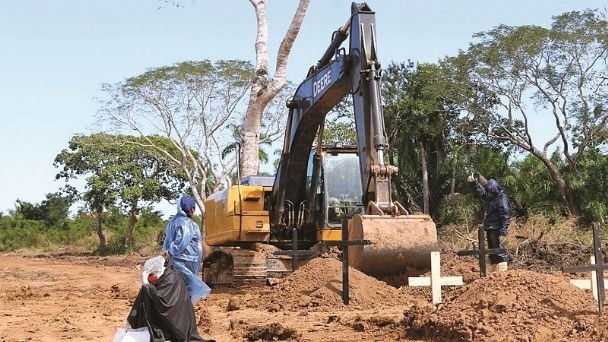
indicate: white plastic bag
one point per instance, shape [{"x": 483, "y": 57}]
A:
[
  {"x": 132, "y": 335},
  {"x": 154, "y": 265}
]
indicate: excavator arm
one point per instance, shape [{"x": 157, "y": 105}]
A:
[
  {"x": 339, "y": 73},
  {"x": 398, "y": 238}
]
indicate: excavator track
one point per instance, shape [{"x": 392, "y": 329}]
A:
[
  {"x": 228, "y": 266},
  {"x": 231, "y": 266}
]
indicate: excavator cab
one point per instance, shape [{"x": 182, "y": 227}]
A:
[{"x": 339, "y": 193}]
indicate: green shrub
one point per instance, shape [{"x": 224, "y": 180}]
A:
[{"x": 460, "y": 209}]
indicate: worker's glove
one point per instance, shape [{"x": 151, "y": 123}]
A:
[
  {"x": 471, "y": 179},
  {"x": 144, "y": 278}
]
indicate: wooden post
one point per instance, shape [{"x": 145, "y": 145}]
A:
[
  {"x": 345, "y": 275},
  {"x": 482, "y": 251},
  {"x": 589, "y": 284},
  {"x": 596, "y": 267},
  {"x": 599, "y": 261},
  {"x": 344, "y": 243}
]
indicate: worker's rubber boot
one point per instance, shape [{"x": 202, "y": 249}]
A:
[{"x": 501, "y": 266}]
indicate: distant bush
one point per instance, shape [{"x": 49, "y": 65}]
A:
[{"x": 19, "y": 233}]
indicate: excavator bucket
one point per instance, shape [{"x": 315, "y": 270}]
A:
[{"x": 399, "y": 244}]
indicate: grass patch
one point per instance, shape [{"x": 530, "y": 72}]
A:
[{"x": 552, "y": 230}]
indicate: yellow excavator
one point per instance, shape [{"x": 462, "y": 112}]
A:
[{"x": 252, "y": 226}]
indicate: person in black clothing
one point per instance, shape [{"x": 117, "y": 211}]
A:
[
  {"x": 497, "y": 217},
  {"x": 163, "y": 305}
]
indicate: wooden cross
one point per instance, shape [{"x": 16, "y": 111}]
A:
[
  {"x": 435, "y": 281},
  {"x": 597, "y": 266},
  {"x": 588, "y": 284},
  {"x": 344, "y": 244},
  {"x": 482, "y": 251}
]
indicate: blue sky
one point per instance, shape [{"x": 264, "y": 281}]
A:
[{"x": 54, "y": 56}]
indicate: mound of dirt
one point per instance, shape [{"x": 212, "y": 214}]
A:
[
  {"x": 21, "y": 292},
  {"x": 451, "y": 265},
  {"x": 243, "y": 330},
  {"x": 270, "y": 332},
  {"x": 318, "y": 284},
  {"x": 508, "y": 306},
  {"x": 454, "y": 265}
]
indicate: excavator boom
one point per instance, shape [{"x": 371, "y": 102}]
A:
[{"x": 399, "y": 240}]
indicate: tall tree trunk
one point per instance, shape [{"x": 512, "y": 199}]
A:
[
  {"x": 200, "y": 196},
  {"x": 263, "y": 88},
  {"x": 453, "y": 176},
  {"x": 563, "y": 187},
  {"x": 130, "y": 226},
  {"x": 99, "y": 229},
  {"x": 250, "y": 143},
  {"x": 425, "y": 178}
]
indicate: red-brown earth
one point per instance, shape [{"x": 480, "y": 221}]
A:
[{"x": 86, "y": 298}]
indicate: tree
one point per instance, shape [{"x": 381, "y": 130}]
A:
[
  {"x": 28, "y": 211},
  {"x": 196, "y": 105},
  {"x": 339, "y": 132},
  {"x": 144, "y": 176},
  {"x": 119, "y": 170},
  {"x": 418, "y": 118},
  {"x": 193, "y": 104},
  {"x": 264, "y": 88},
  {"x": 591, "y": 185},
  {"x": 531, "y": 189},
  {"x": 271, "y": 129},
  {"x": 339, "y": 125},
  {"x": 561, "y": 72}
]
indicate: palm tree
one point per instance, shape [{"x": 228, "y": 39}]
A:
[{"x": 237, "y": 133}]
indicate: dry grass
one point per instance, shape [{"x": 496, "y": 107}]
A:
[
  {"x": 536, "y": 228},
  {"x": 539, "y": 227}
]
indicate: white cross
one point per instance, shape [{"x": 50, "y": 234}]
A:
[
  {"x": 588, "y": 284},
  {"x": 435, "y": 281}
]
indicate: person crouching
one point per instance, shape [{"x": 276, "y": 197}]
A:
[{"x": 163, "y": 304}]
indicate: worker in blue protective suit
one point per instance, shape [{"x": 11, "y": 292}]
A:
[
  {"x": 184, "y": 244},
  {"x": 497, "y": 217}
]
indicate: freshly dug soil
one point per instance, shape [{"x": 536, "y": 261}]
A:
[
  {"x": 510, "y": 306},
  {"x": 86, "y": 298},
  {"x": 318, "y": 285}
]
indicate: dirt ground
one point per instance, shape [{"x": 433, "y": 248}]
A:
[{"x": 86, "y": 298}]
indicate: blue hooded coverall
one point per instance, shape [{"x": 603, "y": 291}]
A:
[
  {"x": 183, "y": 242},
  {"x": 497, "y": 216}
]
